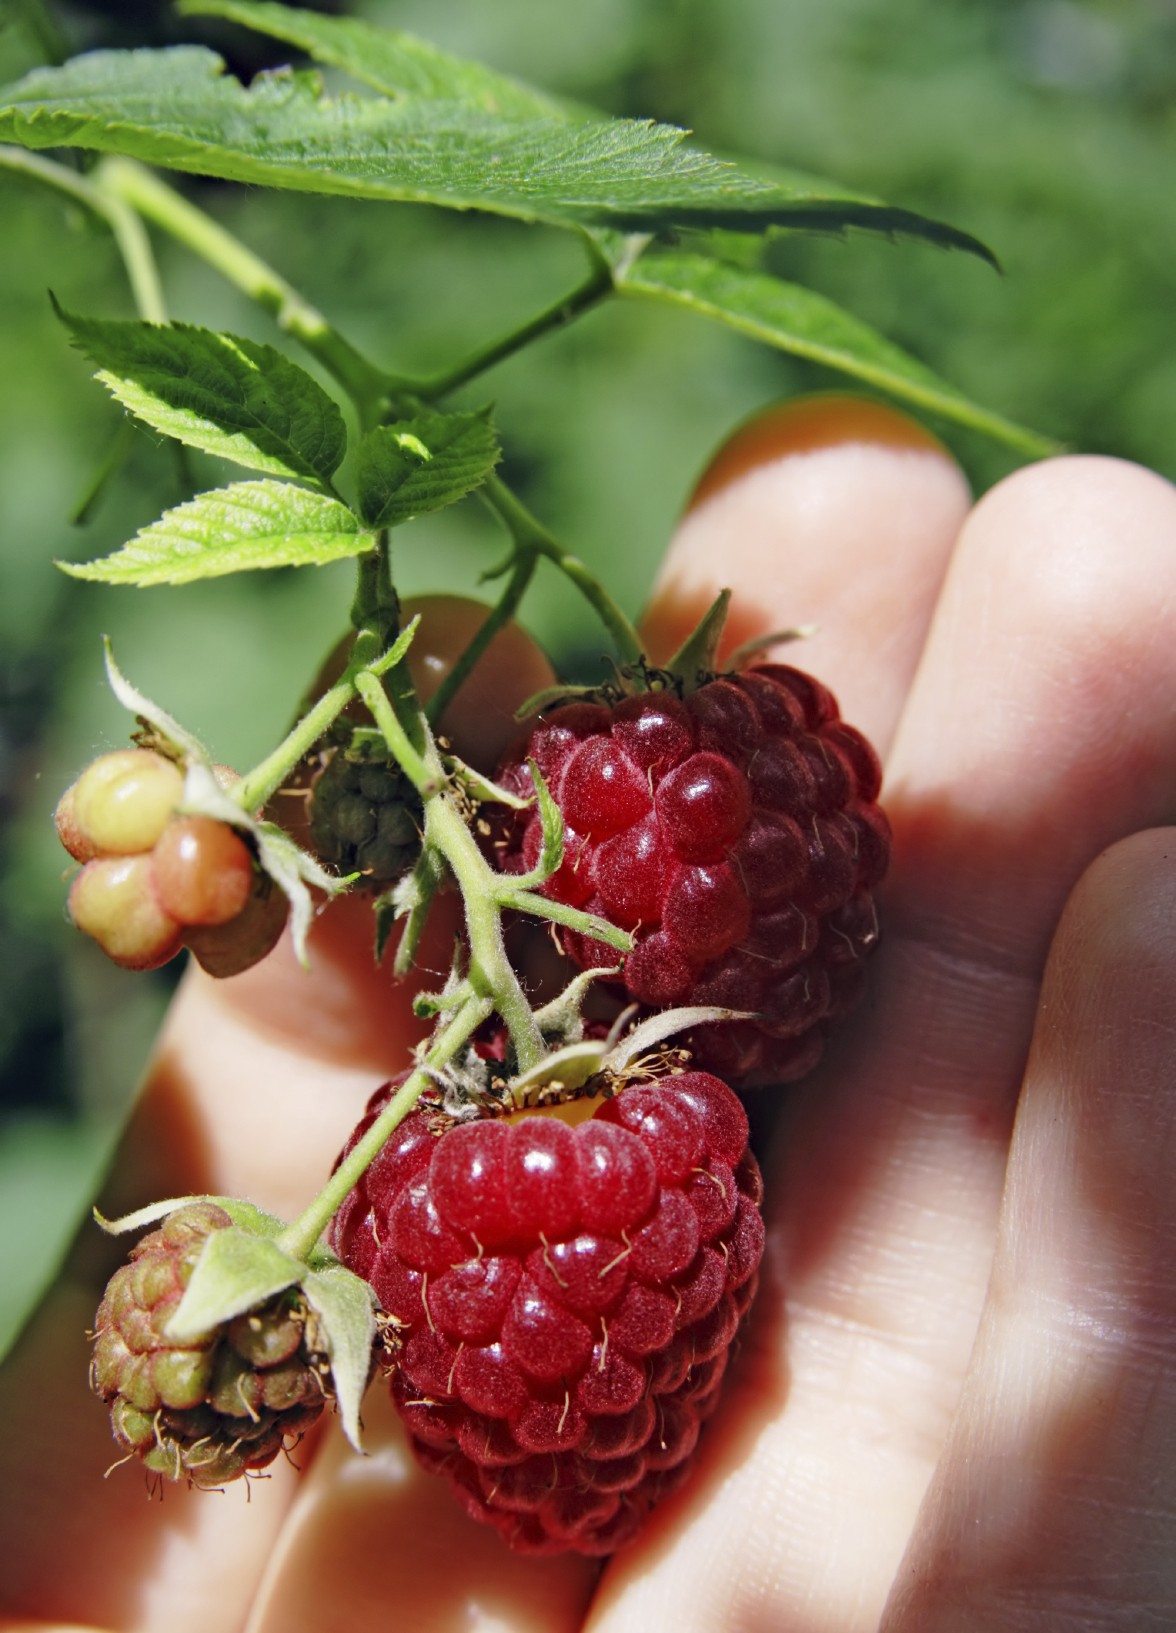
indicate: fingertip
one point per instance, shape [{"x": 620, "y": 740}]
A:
[
  {"x": 832, "y": 511},
  {"x": 808, "y": 425}
]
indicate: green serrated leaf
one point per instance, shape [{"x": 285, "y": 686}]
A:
[
  {"x": 177, "y": 107},
  {"x": 344, "y": 1306},
  {"x": 233, "y": 530},
  {"x": 236, "y": 1272},
  {"x": 235, "y": 398},
  {"x": 392, "y": 62},
  {"x": 800, "y": 321},
  {"x": 423, "y": 464}
]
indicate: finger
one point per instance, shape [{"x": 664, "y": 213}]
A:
[
  {"x": 388, "y": 1541},
  {"x": 789, "y": 518},
  {"x": 830, "y": 511},
  {"x": 1055, "y": 1500},
  {"x": 255, "y": 1084},
  {"x": 1038, "y": 729}
]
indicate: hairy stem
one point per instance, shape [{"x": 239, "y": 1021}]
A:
[
  {"x": 491, "y": 975},
  {"x": 299, "y": 1238},
  {"x": 143, "y": 190},
  {"x": 376, "y": 604},
  {"x": 259, "y": 785},
  {"x": 586, "y": 295},
  {"x": 129, "y": 234},
  {"x": 573, "y": 918}
]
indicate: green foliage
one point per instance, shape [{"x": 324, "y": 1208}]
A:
[
  {"x": 390, "y": 61},
  {"x": 178, "y": 108},
  {"x": 233, "y": 530},
  {"x": 235, "y": 398},
  {"x": 423, "y": 464},
  {"x": 802, "y": 322}
]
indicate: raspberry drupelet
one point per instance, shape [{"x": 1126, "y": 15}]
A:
[
  {"x": 566, "y": 1298},
  {"x": 736, "y": 833}
]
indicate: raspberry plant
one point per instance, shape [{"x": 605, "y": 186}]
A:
[{"x": 547, "y": 1230}]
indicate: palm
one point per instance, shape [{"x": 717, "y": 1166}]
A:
[{"x": 869, "y": 1436}]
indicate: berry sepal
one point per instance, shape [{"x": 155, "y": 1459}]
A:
[
  {"x": 612, "y": 1058},
  {"x": 235, "y": 1273}
]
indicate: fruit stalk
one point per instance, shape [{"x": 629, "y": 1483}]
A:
[
  {"x": 134, "y": 185},
  {"x": 300, "y": 1237}
]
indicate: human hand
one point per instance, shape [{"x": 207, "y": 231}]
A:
[{"x": 955, "y": 1395}]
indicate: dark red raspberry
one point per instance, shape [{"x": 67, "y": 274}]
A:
[
  {"x": 736, "y": 833},
  {"x": 567, "y": 1299}
]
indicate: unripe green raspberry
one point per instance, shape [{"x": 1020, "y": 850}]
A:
[
  {"x": 365, "y": 817},
  {"x": 113, "y": 899},
  {"x": 121, "y": 803},
  {"x": 215, "y": 1406}
]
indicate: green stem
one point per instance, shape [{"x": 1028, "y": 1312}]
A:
[
  {"x": 501, "y": 613},
  {"x": 424, "y": 771},
  {"x": 529, "y": 533},
  {"x": 129, "y": 233},
  {"x": 299, "y": 1238},
  {"x": 142, "y": 189},
  {"x": 581, "y": 299},
  {"x": 491, "y": 974},
  {"x": 259, "y": 786},
  {"x": 585, "y": 924},
  {"x": 120, "y": 447},
  {"x": 376, "y": 604}
]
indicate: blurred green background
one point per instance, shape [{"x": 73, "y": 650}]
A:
[{"x": 1048, "y": 128}]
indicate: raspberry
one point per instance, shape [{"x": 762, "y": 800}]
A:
[
  {"x": 203, "y": 871},
  {"x": 220, "y": 1405},
  {"x": 120, "y": 804},
  {"x": 114, "y": 900},
  {"x": 736, "y": 833},
  {"x": 365, "y": 817},
  {"x": 566, "y": 1299},
  {"x": 227, "y": 949}
]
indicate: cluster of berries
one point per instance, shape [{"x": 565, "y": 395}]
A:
[
  {"x": 562, "y": 1277},
  {"x": 154, "y": 881}
]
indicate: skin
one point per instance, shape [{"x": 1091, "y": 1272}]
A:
[{"x": 953, "y": 1408}]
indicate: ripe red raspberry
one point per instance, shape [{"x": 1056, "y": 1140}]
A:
[
  {"x": 566, "y": 1296},
  {"x": 736, "y": 833},
  {"x": 222, "y": 1404}
]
